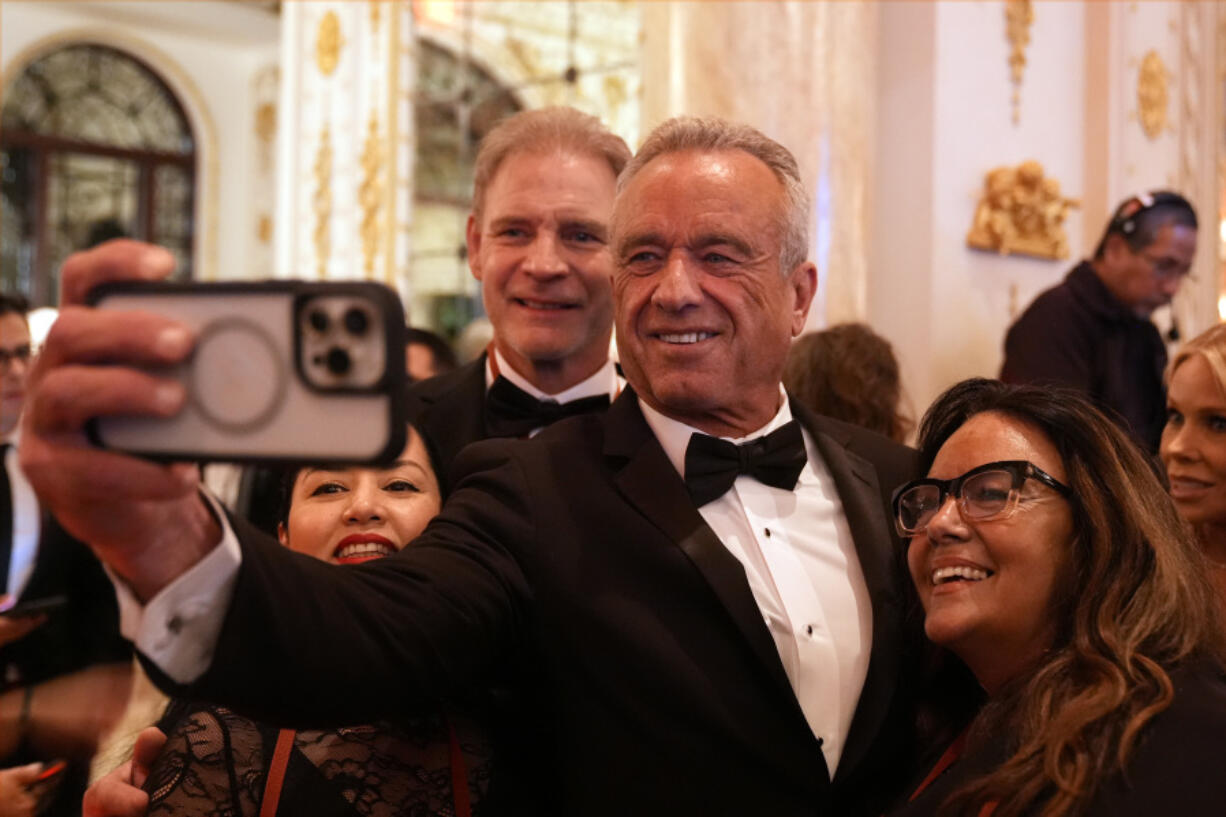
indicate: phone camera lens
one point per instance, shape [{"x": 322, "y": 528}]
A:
[
  {"x": 356, "y": 321},
  {"x": 338, "y": 361},
  {"x": 319, "y": 320}
]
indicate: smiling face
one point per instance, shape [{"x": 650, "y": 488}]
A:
[
  {"x": 989, "y": 587},
  {"x": 540, "y": 251},
  {"x": 352, "y": 515},
  {"x": 705, "y": 316},
  {"x": 1194, "y": 443}
]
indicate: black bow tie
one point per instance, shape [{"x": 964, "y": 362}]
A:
[
  {"x": 512, "y": 412},
  {"x": 712, "y": 464}
]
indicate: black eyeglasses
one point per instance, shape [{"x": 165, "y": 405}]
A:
[
  {"x": 7, "y": 356},
  {"x": 987, "y": 492},
  {"x": 1167, "y": 268}
]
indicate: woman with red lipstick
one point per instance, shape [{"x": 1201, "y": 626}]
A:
[
  {"x": 1051, "y": 565},
  {"x": 1193, "y": 445},
  {"x": 218, "y": 762}
]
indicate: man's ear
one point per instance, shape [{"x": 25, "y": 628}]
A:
[
  {"x": 804, "y": 286},
  {"x": 282, "y": 534},
  {"x": 1116, "y": 248},
  {"x": 472, "y": 239}
]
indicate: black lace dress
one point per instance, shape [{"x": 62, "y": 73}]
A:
[{"x": 217, "y": 764}]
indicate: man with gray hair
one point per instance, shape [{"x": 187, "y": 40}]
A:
[{"x": 697, "y": 589}]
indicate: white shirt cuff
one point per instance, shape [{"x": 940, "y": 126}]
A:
[{"x": 179, "y": 627}]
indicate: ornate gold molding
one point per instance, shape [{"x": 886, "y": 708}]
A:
[
  {"x": 394, "y": 249},
  {"x": 323, "y": 202},
  {"x": 1021, "y": 212},
  {"x": 370, "y": 195},
  {"x": 266, "y": 122},
  {"x": 1153, "y": 94},
  {"x": 328, "y": 43},
  {"x": 1019, "y": 14}
]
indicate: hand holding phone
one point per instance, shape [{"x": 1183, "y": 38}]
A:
[
  {"x": 43, "y": 788},
  {"x": 143, "y": 518},
  {"x": 17, "y": 620},
  {"x": 19, "y": 796}
]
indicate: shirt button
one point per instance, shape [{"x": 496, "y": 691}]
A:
[
  {"x": 175, "y": 625},
  {"x": 768, "y": 533},
  {"x": 809, "y": 629}
]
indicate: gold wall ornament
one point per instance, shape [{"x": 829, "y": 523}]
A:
[
  {"x": 266, "y": 122},
  {"x": 1021, "y": 212},
  {"x": 615, "y": 93},
  {"x": 263, "y": 228},
  {"x": 1153, "y": 94},
  {"x": 328, "y": 43},
  {"x": 1019, "y": 14},
  {"x": 370, "y": 195},
  {"x": 323, "y": 202}
]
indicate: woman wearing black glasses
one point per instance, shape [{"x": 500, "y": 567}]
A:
[{"x": 1050, "y": 563}]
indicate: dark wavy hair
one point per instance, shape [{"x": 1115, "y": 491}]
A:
[
  {"x": 849, "y": 372},
  {"x": 1135, "y": 603}
]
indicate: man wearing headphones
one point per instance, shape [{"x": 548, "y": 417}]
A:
[{"x": 1093, "y": 331}]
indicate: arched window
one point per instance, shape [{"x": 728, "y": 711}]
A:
[{"x": 93, "y": 145}]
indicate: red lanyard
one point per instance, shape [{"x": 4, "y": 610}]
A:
[{"x": 952, "y": 753}]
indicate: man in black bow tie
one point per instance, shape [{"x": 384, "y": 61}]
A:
[
  {"x": 538, "y": 241},
  {"x": 697, "y": 590}
]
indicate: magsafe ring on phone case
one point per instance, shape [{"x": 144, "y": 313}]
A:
[{"x": 238, "y": 380}]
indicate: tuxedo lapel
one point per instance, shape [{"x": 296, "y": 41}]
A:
[
  {"x": 649, "y": 482},
  {"x": 861, "y": 497},
  {"x": 449, "y": 412}
]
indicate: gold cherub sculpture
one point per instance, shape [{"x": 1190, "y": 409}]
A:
[{"x": 1021, "y": 212}]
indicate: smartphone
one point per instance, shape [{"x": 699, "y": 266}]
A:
[
  {"x": 283, "y": 372},
  {"x": 34, "y": 607}
]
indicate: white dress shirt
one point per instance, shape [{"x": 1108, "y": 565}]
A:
[
  {"x": 26, "y": 522},
  {"x": 802, "y": 567}
]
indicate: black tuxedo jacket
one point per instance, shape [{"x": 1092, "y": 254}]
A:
[
  {"x": 654, "y": 684},
  {"x": 449, "y": 411}
]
